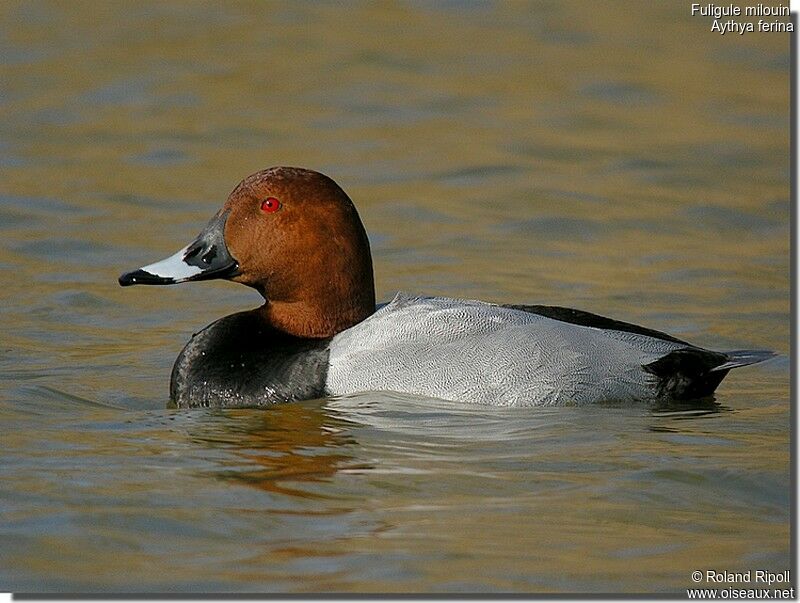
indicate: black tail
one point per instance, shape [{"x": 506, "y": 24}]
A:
[
  {"x": 695, "y": 373},
  {"x": 739, "y": 358}
]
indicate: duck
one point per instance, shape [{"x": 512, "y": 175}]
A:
[{"x": 295, "y": 236}]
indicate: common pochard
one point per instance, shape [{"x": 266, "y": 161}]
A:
[{"x": 295, "y": 236}]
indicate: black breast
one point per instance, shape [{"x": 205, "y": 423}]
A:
[{"x": 240, "y": 361}]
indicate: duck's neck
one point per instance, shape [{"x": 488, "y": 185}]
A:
[{"x": 315, "y": 319}]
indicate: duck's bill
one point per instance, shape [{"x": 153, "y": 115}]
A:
[{"x": 207, "y": 257}]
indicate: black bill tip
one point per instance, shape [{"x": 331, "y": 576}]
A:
[
  {"x": 141, "y": 277},
  {"x": 207, "y": 257}
]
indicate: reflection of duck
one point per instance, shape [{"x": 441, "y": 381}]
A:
[
  {"x": 294, "y": 443},
  {"x": 668, "y": 413},
  {"x": 296, "y": 237}
]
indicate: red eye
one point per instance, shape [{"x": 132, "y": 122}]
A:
[{"x": 270, "y": 204}]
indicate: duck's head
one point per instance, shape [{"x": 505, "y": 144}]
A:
[{"x": 295, "y": 236}]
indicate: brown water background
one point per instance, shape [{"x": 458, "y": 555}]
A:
[{"x": 616, "y": 157}]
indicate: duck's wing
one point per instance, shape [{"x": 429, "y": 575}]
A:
[
  {"x": 479, "y": 352},
  {"x": 685, "y": 373},
  {"x": 587, "y": 319}
]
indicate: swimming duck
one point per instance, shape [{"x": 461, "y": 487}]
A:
[{"x": 296, "y": 237}]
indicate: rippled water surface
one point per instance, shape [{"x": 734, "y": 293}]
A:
[{"x": 623, "y": 160}]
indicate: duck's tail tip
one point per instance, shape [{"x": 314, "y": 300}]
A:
[{"x": 739, "y": 358}]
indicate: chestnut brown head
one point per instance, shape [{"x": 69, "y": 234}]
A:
[{"x": 295, "y": 236}]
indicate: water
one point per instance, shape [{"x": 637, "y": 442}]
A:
[{"x": 625, "y": 161}]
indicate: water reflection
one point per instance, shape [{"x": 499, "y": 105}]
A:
[
  {"x": 669, "y": 412},
  {"x": 281, "y": 449}
]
